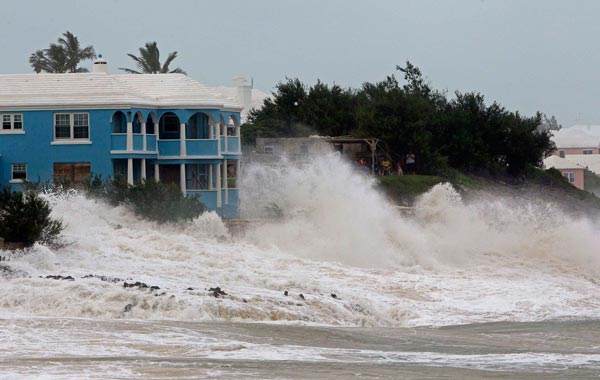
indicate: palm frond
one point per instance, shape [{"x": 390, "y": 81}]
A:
[
  {"x": 170, "y": 58},
  {"x": 38, "y": 61},
  {"x": 129, "y": 71},
  {"x": 178, "y": 70}
]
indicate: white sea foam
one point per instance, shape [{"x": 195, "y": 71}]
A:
[
  {"x": 448, "y": 263},
  {"x": 60, "y": 346}
]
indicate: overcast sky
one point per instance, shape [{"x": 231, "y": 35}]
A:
[{"x": 528, "y": 55}]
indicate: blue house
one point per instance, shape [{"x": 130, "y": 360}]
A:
[{"x": 168, "y": 127}]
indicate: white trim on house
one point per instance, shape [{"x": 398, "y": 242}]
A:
[
  {"x": 190, "y": 157},
  {"x": 71, "y": 142},
  {"x": 133, "y": 152}
]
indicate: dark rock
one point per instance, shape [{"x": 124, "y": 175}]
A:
[
  {"x": 333, "y": 295},
  {"x": 59, "y": 277},
  {"x": 216, "y": 292},
  {"x": 244, "y": 300},
  {"x": 285, "y": 293},
  {"x": 190, "y": 288},
  {"x": 139, "y": 285},
  {"x": 302, "y": 296},
  {"x": 113, "y": 280},
  {"x": 127, "y": 308}
]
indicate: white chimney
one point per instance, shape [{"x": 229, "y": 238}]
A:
[
  {"x": 100, "y": 65},
  {"x": 244, "y": 92}
]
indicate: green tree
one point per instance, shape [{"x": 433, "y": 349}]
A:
[
  {"x": 462, "y": 132},
  {"x": 25, "y": 218},
  {"x": 550, "y": 123},
  {"x": 148, "y": 62},
  {"x": 280, "y": 115},
  {"x": 62, "y": 57},
  {"x": 329, "y": 110}
]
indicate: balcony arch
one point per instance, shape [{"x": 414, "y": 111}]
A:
[
  {"x": 118, "y": 122},
  {"x": 198, "y": 127},
  {"x": 151, "y": 123},
  {"x": 169, "y": 127},
  {"x": 137, "y": 121}
]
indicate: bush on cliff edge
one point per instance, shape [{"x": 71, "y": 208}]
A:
[{"x": 25, "y": 218}]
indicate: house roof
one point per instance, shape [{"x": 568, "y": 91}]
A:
[
  {"x": 557, "y": 162},
  {"x": 578, "y": 136},
  {"x": 257, "y": 97},
  {"x": 588, "y": 161},
  {"x": 94, "y": 90}
]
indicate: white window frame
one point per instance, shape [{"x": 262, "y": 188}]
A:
[
  {"x": 588, "y": 151},
  {"x": 269, "y": 149},
  {"x": 71, "y": 139},
  {"x": 12, "y": 173},
  {"x": 570, "y": 176},
  {"x": 561, "y": 153},
  {"x": 12, "y": 130}
]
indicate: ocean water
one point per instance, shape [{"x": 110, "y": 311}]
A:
[{"x": 491, "y": 288}]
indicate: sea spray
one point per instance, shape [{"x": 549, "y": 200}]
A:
[
  {"x": 450, "y": 262},
  {"x": 330, "y": 211}
]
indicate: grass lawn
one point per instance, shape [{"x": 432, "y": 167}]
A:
[{"x": 405, "y": 188}]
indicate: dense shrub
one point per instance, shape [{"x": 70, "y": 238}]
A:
[
  {"x": 25, "y": 218},
  {"x": 113, "y": 190},
  {"x": 163, "y": 202},
  {"x": 158, "y": 201}
]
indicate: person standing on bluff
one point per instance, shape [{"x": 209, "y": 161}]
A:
[
  {"x": 362, "y": 163},
  {"x": 387, "y": 166},
  {"x": 410, "y": 163},
  {"x": 399, "y": 168}
]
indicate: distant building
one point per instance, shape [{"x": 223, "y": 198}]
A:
[
  {"x": 66, "y": 127},
  {"x": 298, "y": 149},
  {"x": 244, "y": 94},
  {"x": 578, "y": 139},
  {"x": 578, "y": 148},
  {"x": 573, "y": 172}
]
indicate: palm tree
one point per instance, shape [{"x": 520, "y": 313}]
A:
[
  {"x": 62, "y": 57},
  {"x": 74, "y": 53},
  {"x": 149, "y": 61}
]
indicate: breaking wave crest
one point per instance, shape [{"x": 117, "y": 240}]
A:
[
  {"x": 329, "y": 212},
  {"x": 355, "y": 258}
]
